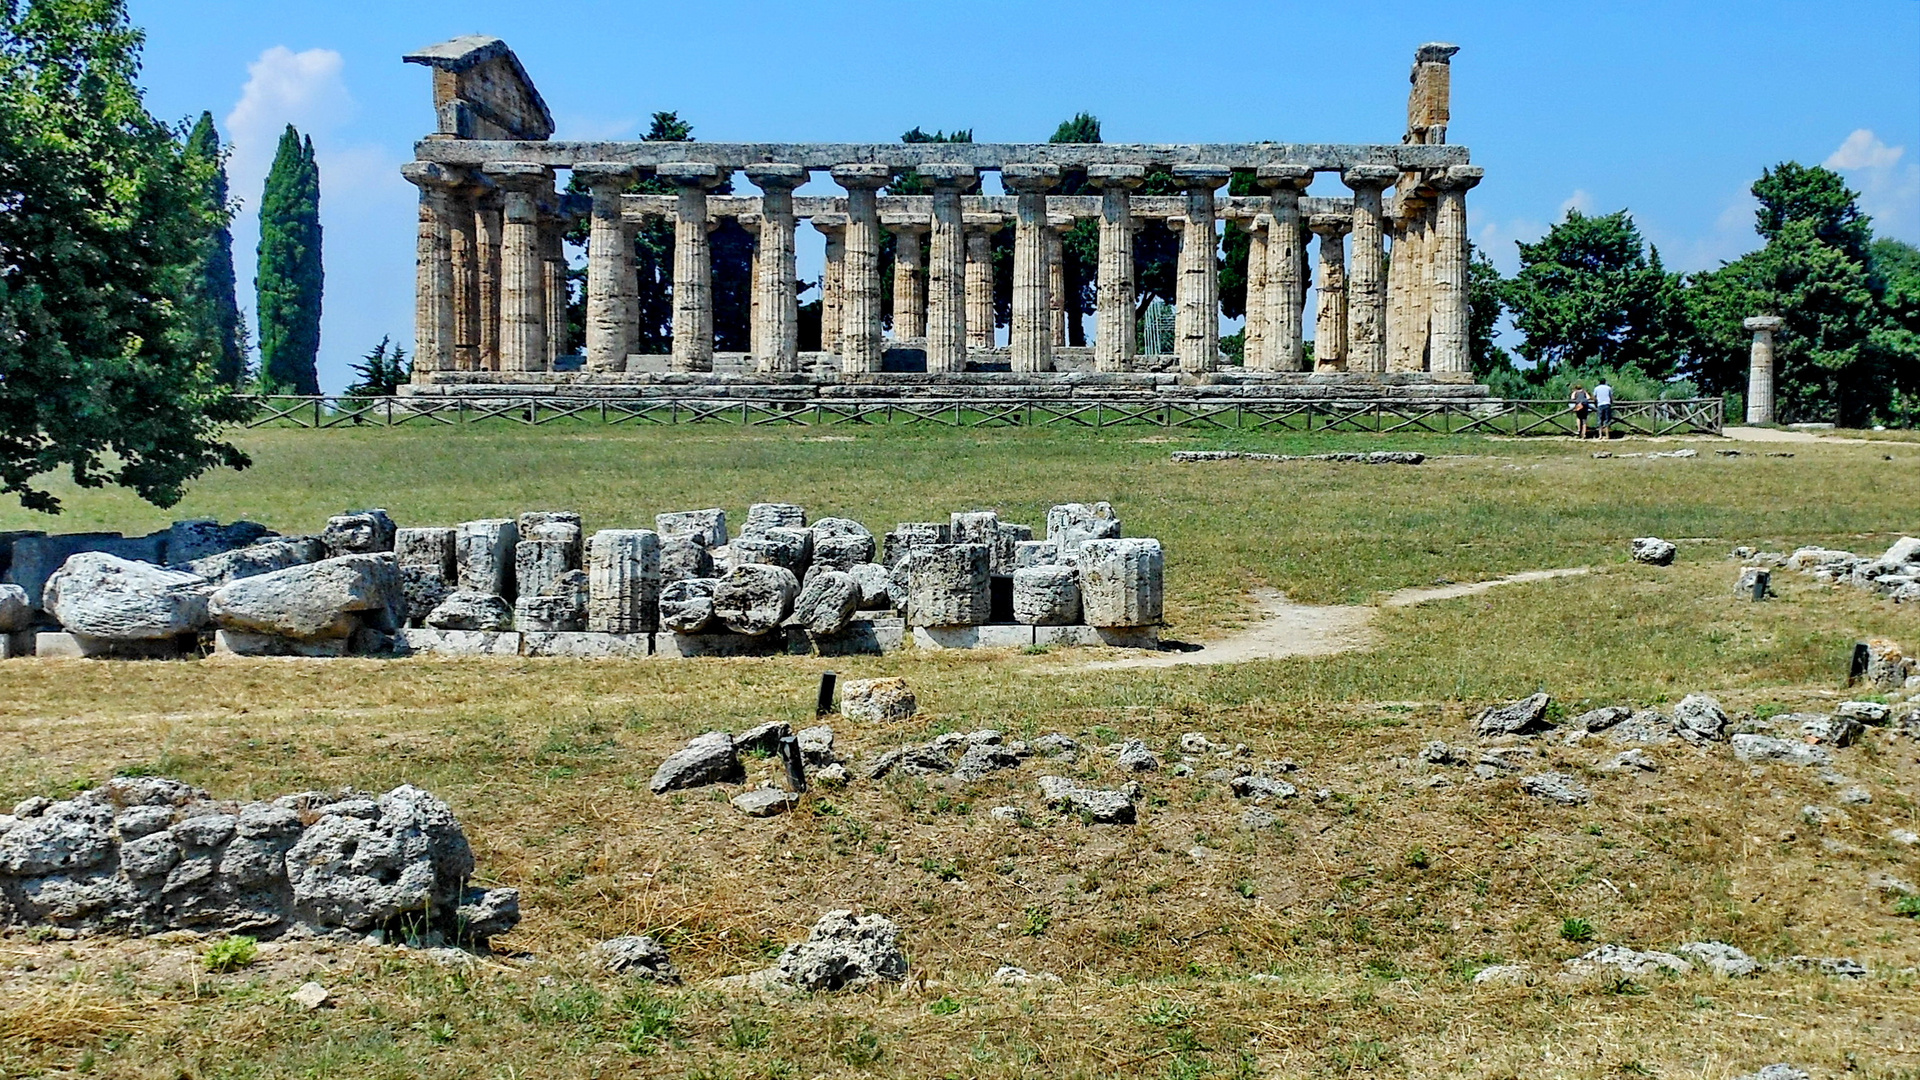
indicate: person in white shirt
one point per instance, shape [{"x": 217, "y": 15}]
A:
[{"x": 1603, "y": 404}]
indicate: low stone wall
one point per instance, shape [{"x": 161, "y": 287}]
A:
[{"x": 538, "y": 585}]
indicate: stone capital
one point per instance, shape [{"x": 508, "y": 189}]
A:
[
  {"x": 1202, "y": 177},
  {"x": 429, "y": 174},
  {"x": 599, "y": 174},
  {"x": 688, "y": 174},
  {"x": 1061, "y": 222},
  {"x": 1435, "y": 52},
  {"x": 777, "y": 176},
  {"x": 1764, "y": 323},
  {"x": 947, "y": 174},
  {"x": 1028, "y": 178},
  {"x": 1457, "y": 177},
  {"x": 519, "y": 175},
  {"x": 985, "y": 222},
  {"x": 829, "y": 223},
  {"x": 905, "y": 225},
  {"x": 1330, "y": 224},
  {"x": 862, "y": 177},
  {"x": 1284, "y": 177},
  {"x": 1370, "y": 177},
  {"x": 1116, "y": 176}
]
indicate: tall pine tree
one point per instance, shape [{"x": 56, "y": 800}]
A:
[
  {"x": 290, "y": 278},
  {"x": 221, "y": 338}
]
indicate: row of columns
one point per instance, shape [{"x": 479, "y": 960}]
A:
[{"x": 482, "y": 268}]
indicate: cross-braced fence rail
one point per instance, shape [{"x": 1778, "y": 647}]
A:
[{"x": 1686, "y": 416}]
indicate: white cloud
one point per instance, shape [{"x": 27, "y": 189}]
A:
[
  {"x": 1889, "y": 190},
  {"x": 1581, "y": 200},
  {"x": 283, "y": 87}
]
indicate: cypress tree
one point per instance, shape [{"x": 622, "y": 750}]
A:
[
  {"x": 290, "y": 278},
  {"x": 222, "y": 340}
]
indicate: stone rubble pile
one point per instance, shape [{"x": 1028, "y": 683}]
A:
[
  {"x": 1373, "y": 457},
  {"x": 145, "y": 854},
  {"x": 1894, "y": 573},
  {"x": 539, "y": 585}
]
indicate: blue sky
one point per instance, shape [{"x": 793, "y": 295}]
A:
[{"x": 1667, "y": 109}]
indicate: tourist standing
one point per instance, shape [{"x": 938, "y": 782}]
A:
[
  {"x": 1582, "y": 404},
  {"x": 1603, "y": 403}
]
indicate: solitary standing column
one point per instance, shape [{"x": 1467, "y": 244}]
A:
[
  {"x": 1448, "y": 299},
  {"x": 488, "y": 226},
  {"x": 775, "y": 283},
  {"x": 860, "y": 344},
  {"x": 607, "y": 311},
  {"x": 980, "y": 313},
  {"x": 948, "y": 316},
  {"x": 1367, "y": 280},
  {"x": 1057, "y": 225},
  {"x": 1760, "y": 371},
  {"x": 1256, "y": 352},
  {"x": 1330, "y": 325},
  {"x": 909, "y": 297},
  {"x": 1032, "y": 316},
  {"x": 1283, "y": 345},
  {"x": 1197, "y": 284},
  {"x": 832, "y": 278},
  {"x": 1113, "y": 331},
  {"x": 433, "y": 296},
  {"x": 523, "y": 286},
  {"x": 692, "y": 265}
]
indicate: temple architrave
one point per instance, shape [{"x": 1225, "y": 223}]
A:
[{"x": 1389, "y": 259}]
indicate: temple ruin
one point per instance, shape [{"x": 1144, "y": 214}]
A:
[{"x": 1390, "y": 265}]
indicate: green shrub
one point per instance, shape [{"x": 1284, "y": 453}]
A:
[{"x": 232, "y": 953}]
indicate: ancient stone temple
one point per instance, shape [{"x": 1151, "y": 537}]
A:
[{"x": 1389, "y": 257}]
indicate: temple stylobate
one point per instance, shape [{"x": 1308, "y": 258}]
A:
[{"x": 1387, "y": 259}]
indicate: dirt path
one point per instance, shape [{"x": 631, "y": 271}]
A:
[
  {"x": 1289, "y": 629},
  {"x": 1779, "y": 435}
]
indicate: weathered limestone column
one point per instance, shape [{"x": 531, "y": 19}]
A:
[
  {"x": 553, "y": 227},
  {"x": 1448, "y": 300},
  {"x": 1428, "y": 103},
  {"x": 692, "y": 265},
  {"x": 860, "y": 341},
  {"x": 463, "y": 250},
  {"x": 1032, "y": 338},
  {"x": 1330, "y": 324},
  {"x": 1283, "y": 348},
  {"x": 1760, "y": 368},
  {"x": 1367, "y": 278},
  {"x": 1113, "y": 330},
  {"x": 1400, "y": 280},
  {"x": 1057, "y": 225},
  {"x": 607, "y": 311},
  {"x": 909, "y": 281},
  {"x": 1255, "y": 352},
  {"x": 777, "y": 344},
  {"x": 433, "y": 289},
  {"x": 523, "y": 285},
  {"x": 832, "y": 278},
  {"x": 488, "y": 226},
  {"x": 1197, "y": 284},
  {"x": 980, "y": 313},
  {"x": 947, "y": 314}
]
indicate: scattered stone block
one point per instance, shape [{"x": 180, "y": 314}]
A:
[
  {"x": 911, "y": 536},
  {"x": 310, "y": 996},
  {"x": 1629, "y": 962},
  {"x": 1070, "y": 525},
  {"x": 983, "y": 758},
  {"x": 202, "y": 538},
  {"x": 471, "y": 611},
  {"x": 1105, "y": 807},
  {"x": 330, "y": 598},
  {"x": 841, "y": 952},
  {"x": 1135, "y": 757},
  {"x": 1261, "y": 788},
  {"x": 431, "y": 550},
  {"x": 484, "y": 556},
  {"x": 684, "y": 558},
  {"x": 709, "y": 525},
  {"x": 1767, "y": 749},
  {"x": 240, "y": 643},
  {"x": 589, "y": 645},
  {"x": 1046, "y": 596},
  {"x": 538, "y": 566},
  {"x": 358, "y": 532},
  {"x": 949, "y": 585},
  {"x": 826, "y": 603},
  {"x": 876, "y": 586},
  {"x": 790, "y": 549},
  {"x": 103, "y": 596},
  {"x": 1835, "y": 730},
  {"x": 754, "y": 599},
  {"x": 765, "y": 802},
  {"x": 1653, "y": 551},
  {"x": 1601, "y": 719},
  {"x": 1031, "y": 553},
  {"x": 1523, "y": 717},
  {"x": 1870, "y": 713},
  {"x": 56, "y": 645},
  {"x": 623, "y": 579},
  {"x": 1753, "y": 580},
  {"x": 1503, "y": 975},
  {"x": 841, "y": 544},
  {"x": 764, "y": 516},
  {"x": 1556, "y": 787},
  {"x": 1720, "y": 958},
  {"x": 1777, "y": 1071},
  {"x": 561, "y": 609},
  {"x": 1121, "y": 582},
  {"x": 460, "y": 642},
  {"x": 261, "y": 558},
  {"x": 1699, "y": 717},
  {"x": 638, "y": 955},
  {"x": 877, "y": 701},
  {"x": 686, "y": 606},
  {"x": 16, "y": 611},
  {"x": 1628, "y": 760},
  {"x": 706, "y": 759},
  {"x": 36, "y": 556}
]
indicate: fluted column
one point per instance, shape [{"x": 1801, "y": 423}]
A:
[
  {"x": 834, "y": 228},
  {"x": 947, "y": 314},
  {"x": 1399, "y": 226},
  {"x": 1760, "y": 368},
  {"x": 980, "y": 313},
  {"x": 1032, "y": 337},
  {"x": 692, "y": 264},
  {"x": 607, "y": 313},
  {"x": 860, "y": 341},
  {"x": 1196, "y": 315},
  {"x": 1113, "y": 330},
  {"x": 1367, "y": 276},
  {"x": 909, "y": 280},
  {"x": 463, "y": 252},
  {"x": 778, "y": 342},
  {"x": 1057, "y": 225},
  {"x": 1330, "y": 325},
  {"x": 1451, "y": 349},
  {"x": 433, "y": 292},
  {"x": 1254, "y": 352},
  {"x": 553, "y": 273},
  {"x": 523, "y": 285},
  {"x": 489, "y": 227},
  {"x": 1286, "y": 267},
  {"x": 630, "y": 286}
]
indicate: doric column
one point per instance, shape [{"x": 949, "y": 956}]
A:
[
  {"x": 756, "y": 341},
  {"x": 692, "y": 265},
  {"x": 1330, "y": 325},
  {"x": 1448, "y": 298},
  {"x": 1113, "y": 330},
  {"x": 1057, "y": 226},
  {"x": 488, "y": 227},
  {"x": 834, "y": 228},
  {"x": 860, "y": 342},
  {"x": 947, "y": 316},
  {"x": 980, "y": 313},
  {"x": 1032, "y": 337},
  {"x": 1399, "y": 226},
  {"x": 1255, "y": 353},
  {"x": 630, "y": 284},
  {"x": 1367, "y": 279},
  {"x": 909, "y": 280},
  {"x": 523, "y": 284},
  {"x": 1760, "y": 368},
  {"x": 775, "y": 280},
  {"x": 1196, "y": 315},
  {"x": 607, "y": 259},
  {"x": 1286, "y": 267},
  {"x": 553, "y": 253},
  {"x": 463, "y": 251},
  {"x": 433, "y": 290}
]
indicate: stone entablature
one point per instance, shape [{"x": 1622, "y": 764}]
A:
[{"x": 492, "y": 273}]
